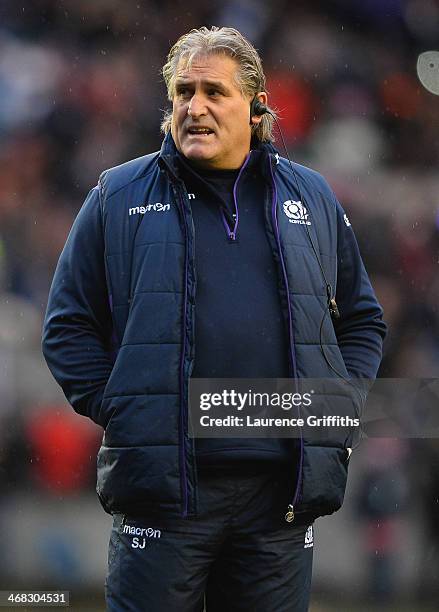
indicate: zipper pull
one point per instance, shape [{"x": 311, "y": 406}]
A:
[{"x": 289, "y": 516}]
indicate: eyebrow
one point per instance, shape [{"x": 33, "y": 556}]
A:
[{"x": 216, "y": 84}]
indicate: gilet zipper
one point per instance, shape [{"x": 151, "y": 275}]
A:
[
  {"x": 289, "y": 515},
  {"x": 183, "y": 408},
  {"x": 232, "y": 233}
]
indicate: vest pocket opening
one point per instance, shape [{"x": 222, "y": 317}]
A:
[{"x": 325, "y": 471}]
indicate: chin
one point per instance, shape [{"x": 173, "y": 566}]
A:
[{"x": 197, "y": 155}]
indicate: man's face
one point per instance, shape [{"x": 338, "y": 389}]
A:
[{"x": 210, "y": 120}]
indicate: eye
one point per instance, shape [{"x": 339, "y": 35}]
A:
[
  {"x": 214, "y": 93},
  {"x": 183, "y": 92}
]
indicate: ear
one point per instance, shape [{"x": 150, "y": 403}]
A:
[{"x": 260, "y": 97}]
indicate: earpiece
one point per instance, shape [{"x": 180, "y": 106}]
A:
[{"x": 257, "y": 108}]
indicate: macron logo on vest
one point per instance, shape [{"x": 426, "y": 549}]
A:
[{"x": 144, "y": 208}]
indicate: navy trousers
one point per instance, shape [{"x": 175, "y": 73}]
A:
[{"x": 238, "y": 555}]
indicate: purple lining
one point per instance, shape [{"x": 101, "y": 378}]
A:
[
  {"x": 114, "y": 340},
  {"x": 290, "y": 322},
  {"x": 290, "y": 325},
  {"x": 182, "y": 445}
]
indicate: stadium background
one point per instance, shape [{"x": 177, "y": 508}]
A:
[{"x": 80, "y": 91}]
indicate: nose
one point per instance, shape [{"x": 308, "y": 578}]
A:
[{"x": 196, "y": 107}]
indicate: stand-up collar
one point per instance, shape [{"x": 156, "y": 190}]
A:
[{"x": 169, "y": 153}]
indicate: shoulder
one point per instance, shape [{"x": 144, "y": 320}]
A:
[
  {"x": 308, "y": 178},
  {"x": 114, "y": 179}
]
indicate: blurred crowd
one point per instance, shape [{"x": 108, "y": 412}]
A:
[{"x": 81, "y": 91}]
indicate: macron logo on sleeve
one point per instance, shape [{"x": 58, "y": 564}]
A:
[
  {"x": 346, "y": 220},
  {"x": 146, "y": 208}
]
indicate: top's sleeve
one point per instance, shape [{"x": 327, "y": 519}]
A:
[
  {"x": 360, "y": 330},
  {"x": 77, "y": 325}
]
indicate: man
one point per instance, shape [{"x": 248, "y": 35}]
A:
[{"x": 184, "y": 263}]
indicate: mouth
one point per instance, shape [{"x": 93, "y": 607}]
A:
[{"x": 199, "y": 131}]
